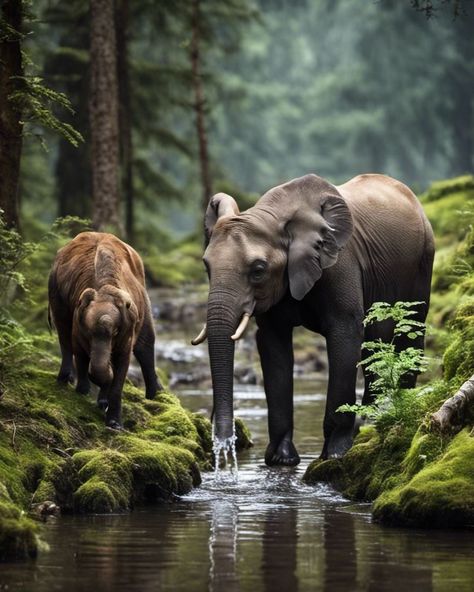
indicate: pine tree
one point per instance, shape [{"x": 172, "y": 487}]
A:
[
  {"x": 199, "y": 102},
  {"x": 103, "y": 117},
  {"x": 11, "y": 127}
]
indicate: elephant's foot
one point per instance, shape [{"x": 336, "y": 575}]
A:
[
  {"x": 284, "y": 454},
  {"x": 338, "y": 443}
]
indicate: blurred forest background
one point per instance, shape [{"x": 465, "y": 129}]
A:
[{"x": 236, "y": 96}]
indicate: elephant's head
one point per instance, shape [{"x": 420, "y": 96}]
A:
[
  {"x": 253, "y": 258},
  {"x": 104, "y": 322}
]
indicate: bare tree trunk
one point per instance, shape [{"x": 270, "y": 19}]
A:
[
  {"x": 454, "y": 412},
  {"x": 199, "y": 103},
  {"x": 125, "y": 125},
  {"x": 11, "y": 127},
  {"x": 103, "y": 117}
]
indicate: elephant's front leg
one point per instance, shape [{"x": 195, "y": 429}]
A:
[
  {"x": 344, "y": 345},
  {"x": 113, "y": 415},
  {"x": 275, "y": 346}
]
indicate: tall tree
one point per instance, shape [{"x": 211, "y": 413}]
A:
[
  {"x": 199, "y": 101},
  {"x": 103, "y": 117},
  {"x": 125, "y": 113},
  {"x": 11, "y": 127}
]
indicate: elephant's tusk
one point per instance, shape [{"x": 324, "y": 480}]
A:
[
  {"x": 201, "y": 337},
  {"x": 241, "y": 328}
]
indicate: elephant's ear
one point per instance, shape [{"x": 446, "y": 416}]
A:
[
  {"x": 315, "y": 241},
  {"x": 219, "y": 205}
]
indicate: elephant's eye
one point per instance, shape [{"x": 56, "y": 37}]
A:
[{"x": 257, "y": 270}]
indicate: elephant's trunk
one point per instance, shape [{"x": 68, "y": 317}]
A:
[
  {"x": 223, "y": 316},
  {"x": 100, "y": 368}
]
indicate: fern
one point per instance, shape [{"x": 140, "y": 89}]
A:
[{"x": 385, "y": 363}]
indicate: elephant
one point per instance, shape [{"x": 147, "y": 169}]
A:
[
  {"x": 101, "y": 310},
  {"x": 318, "y": 255}
]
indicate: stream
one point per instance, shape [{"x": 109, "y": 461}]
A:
[{"x": 266, "y": 532}]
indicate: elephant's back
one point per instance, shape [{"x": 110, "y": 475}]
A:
[{"x": 392, "y": 238}]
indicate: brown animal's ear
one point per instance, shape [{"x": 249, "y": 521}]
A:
[
  {"x": 219, "y": 205},
  {"x": 86, "y": 297},
  {"x": 132, "y": 310},
  {"x": 315, "y": 241}
]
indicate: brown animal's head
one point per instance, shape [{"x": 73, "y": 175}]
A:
[
  {"x": 285, "y": 241},
  {"x": 104, "y": 322}
]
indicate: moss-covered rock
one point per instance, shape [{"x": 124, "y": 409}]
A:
[
  {"x": 441, "y": 494},
  {"x": 458, "y": 359},
  {"x": 244, "y": 437},
  {"x": 18, "y": 533},
  {"x": 54, "y": 447}
]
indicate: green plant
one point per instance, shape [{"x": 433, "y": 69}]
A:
[{"x": 386, "y": 363}]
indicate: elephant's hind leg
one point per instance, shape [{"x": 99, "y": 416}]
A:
[{"x": 344, "y": 345}]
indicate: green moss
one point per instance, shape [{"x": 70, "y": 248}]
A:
[
  {"x": 204, "y": 431},
  {"x": 106, "y": 481},
  {"x": 424, "y": 448},
  {"x": 18, "y": 534},
  {"x": 444, "y": 204},
  {"x": 439, "y": 189},
  {"x": 458, "y": 360},
  {"x": 244, "y": 437},
  {"x": 326, "y": 471},
  {"x": 439, "y": 495},
  {"x": 55, "y": 447},
  {"x": 159, "y": 468},
  {"x": 174, "y": 421}
]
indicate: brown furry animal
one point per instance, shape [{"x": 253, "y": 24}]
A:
[{"x": 99, "y": 305}]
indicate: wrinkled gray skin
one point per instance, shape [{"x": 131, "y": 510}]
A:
[{"x": 312, "y": 254}]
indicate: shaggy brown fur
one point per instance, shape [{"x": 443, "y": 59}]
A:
[{"x": 99, "y": 305}]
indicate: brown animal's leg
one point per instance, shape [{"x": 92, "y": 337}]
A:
[
  {"x": 66, "y": 371},
  {"x": 113, "y": 415},
  {"x": 103, "y": 398},
  {"x": 82, "y": 366},
  {"x": 144, "y": 351}
]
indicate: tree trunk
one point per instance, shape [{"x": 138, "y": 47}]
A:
[
  {"x": 454, "y": 412},
  {"x": 199, "y": 103},
  {"x": 11, "y": 127},
  {"x": 125, "y": 124},
  {"x": 103, "y": 117}
]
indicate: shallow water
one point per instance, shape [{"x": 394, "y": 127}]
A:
[{"x": 268, "y": 531}]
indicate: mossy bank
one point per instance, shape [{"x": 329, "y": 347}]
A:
[
  {"x": 415, "y": 474},
  {"x": 55, "y": 452}
]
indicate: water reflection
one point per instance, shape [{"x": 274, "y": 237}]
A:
[
  {"x": 268, "y": 531},
  {"x": 279, "y": 550},
  {"x": 223, "y": 547},
  {"x": 340, "y": 551}
]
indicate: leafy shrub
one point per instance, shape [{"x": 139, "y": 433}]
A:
[{"x": 386, "y": 363}]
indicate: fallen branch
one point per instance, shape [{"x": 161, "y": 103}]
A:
[{"x": 453, "y": 413}]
